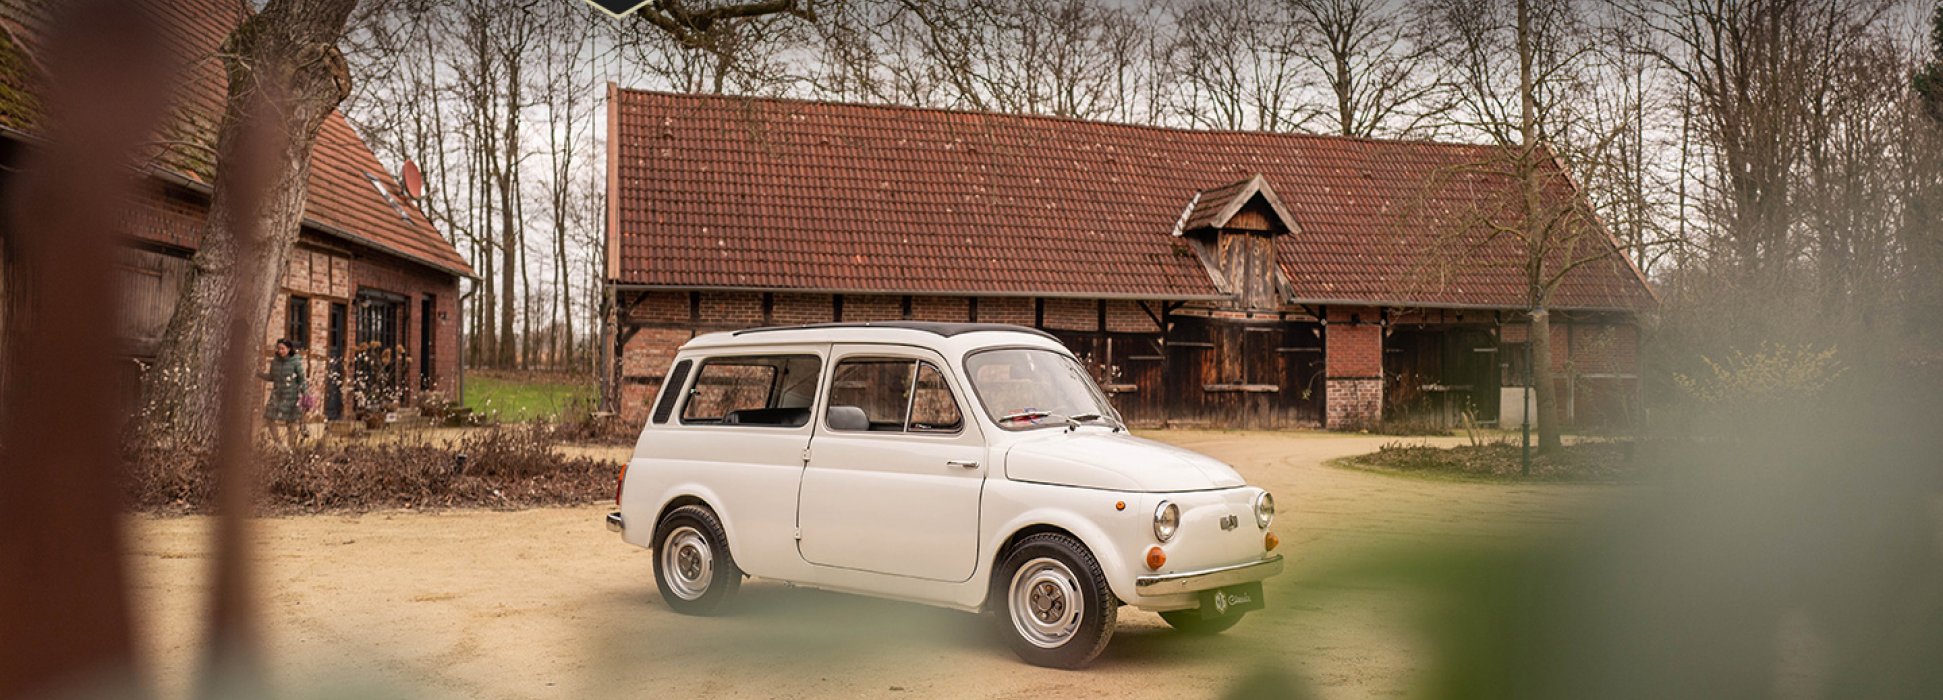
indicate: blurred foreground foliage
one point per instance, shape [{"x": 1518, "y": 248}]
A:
[{"x": 1796, "y": 551}]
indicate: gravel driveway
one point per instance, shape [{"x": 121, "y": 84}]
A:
[{"x": 547, "y": 603}]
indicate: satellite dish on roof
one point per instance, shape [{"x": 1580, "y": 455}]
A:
[{"x": 414, "y": 180}]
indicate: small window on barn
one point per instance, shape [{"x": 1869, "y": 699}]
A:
[
  {"x": 1511, "y": 359},
  {"x": 296, "y": 325},
  {"x": 757, "y": 390}
]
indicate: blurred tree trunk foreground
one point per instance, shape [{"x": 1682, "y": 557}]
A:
[{"x": 284, "y": 59}]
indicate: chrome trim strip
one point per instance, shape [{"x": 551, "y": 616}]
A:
[
  {"x": 1185, "y": 581},
  {"x": 614, "y": 523}
]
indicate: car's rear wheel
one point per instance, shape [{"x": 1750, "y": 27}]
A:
[
  {"x": 1192, "y": 622},
  {"x": 1054, "y": 606},
  {"x": 692, "y": 566}
]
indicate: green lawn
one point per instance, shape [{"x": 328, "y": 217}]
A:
[{"x": 517, "y": 396}]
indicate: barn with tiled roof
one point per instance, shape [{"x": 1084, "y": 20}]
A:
[
  {"x": 372, "y": 288},
  {"x": 1208, "y": 277}
]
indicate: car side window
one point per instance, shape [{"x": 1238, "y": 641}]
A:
[
  {"x": 869, "y": 394},
  {"x": 891, "y": 395},
  {"x": 758, "y": 390},
  {"x": 932, "y": 408}
]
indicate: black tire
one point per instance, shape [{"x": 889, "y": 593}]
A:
[
  {"x": 691, "y": 539},
  {"x": 1191, "y": 622},
  {"x": 1054, "y": 571}
]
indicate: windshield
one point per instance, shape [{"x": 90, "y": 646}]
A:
[{"x": 1025, "y": 388}]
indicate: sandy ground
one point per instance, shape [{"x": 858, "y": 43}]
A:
[{"x": 546, "y": 603}]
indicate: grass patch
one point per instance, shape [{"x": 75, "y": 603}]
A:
[
  {"x": 1501, "y": 461},
  {"x": 523, "y": 396}
]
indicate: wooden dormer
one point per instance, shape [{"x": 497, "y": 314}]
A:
[{"x": 1232, "y": 229}]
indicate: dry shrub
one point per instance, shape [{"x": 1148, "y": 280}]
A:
[
  {"x": 500, "y": 467},
  {"x": 1502, "y": 461},
  {"x": 588, "y": 428}
]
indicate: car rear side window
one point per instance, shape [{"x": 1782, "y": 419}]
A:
[
  {"x": 754, "y": 390},
  {"x": 671, "y": 387}
]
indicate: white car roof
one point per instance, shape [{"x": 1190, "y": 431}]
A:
[{"x": 945, "y": 338}]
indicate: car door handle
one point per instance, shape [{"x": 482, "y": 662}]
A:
[{"x": 962, "y": 464}]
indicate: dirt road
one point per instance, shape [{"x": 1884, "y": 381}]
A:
[{"x": 547, "y": 603}]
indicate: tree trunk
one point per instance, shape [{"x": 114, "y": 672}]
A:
[
  {"x": 1544, "y": 382},
  {"x": 285, "y": 62},
  {"x": 1536, "y": 241}
]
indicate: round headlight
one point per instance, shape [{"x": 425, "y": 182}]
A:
[
  {"x": 1264, "y": 509},
  {"x": 1167, "y": 520}
]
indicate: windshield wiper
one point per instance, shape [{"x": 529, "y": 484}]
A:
[
  {"x": 1088, "y": 417},
  {"x": 1023, "y": 415}
]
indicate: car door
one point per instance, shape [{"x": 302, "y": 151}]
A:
[{"x": 895, "y": 470}]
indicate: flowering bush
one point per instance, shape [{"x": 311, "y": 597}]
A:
[{"x": 1775, "y": 373}]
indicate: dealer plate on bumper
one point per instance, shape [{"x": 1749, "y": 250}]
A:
[{"x": 1233, "y": 599}]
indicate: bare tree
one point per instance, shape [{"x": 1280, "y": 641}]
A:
[
  {"x": 283, "y": 60},
  {"x": 1537, "y": 49},
  {"x": 567, "y": 93},
  {"x": 1753, "y": 68},
  {"x": 1231, "y": 66},
  {"x": 1374, "y": 61}
]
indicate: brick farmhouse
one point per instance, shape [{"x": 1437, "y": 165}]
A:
[
  {"x": 371, "y": 291},
  {"x": 1220, "y": 278}
]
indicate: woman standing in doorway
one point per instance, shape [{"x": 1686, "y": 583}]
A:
[{"x": 286, "y": 378}]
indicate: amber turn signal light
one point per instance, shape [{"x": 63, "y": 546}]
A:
[
  {"x": 1119, "y": 505},
  {"x": 1156, "y": 558},
  {"x": 1270, "y": 540}
]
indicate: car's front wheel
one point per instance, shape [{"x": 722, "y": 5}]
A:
[
  {"x": 1193, "y": 622},
  {"x": 692, "y": 566},
  {"x": 1054, "y": 606}
]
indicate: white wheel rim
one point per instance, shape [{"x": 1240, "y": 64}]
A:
[
  {"x": 1046, "y": 605},
  {"x": 686, "y": 563}
]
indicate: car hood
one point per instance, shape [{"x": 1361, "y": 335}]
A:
[{"x": 1115, "y": 461}]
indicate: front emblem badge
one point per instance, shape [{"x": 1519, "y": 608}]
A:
[
  {"x": 1230, "y": 522},
  {"x": 1220, "y": 601}
]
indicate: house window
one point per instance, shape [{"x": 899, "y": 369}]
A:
[
  {"x": 296, "y": 326},
  {"x": 427, "y": 349}
]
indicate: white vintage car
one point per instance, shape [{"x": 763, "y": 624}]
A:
[{"x": 972, "y": 466}]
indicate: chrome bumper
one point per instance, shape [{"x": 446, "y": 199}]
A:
[
  {"x": 614, "y": 522},
  {"x": 1186, "y": 581}
]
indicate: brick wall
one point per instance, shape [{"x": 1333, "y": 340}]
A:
[
  {"x": 1124, "y": 316},
  {"x": 873, "y": 307},
  {"x": 657, "y": 307},
  {"x": 1353, "y": 366},
  {"x": 644, "y": 362},
  {"x": 1586, "y": 348},
  {"x": 1352, "y": 403},
  {"x": 947, "y": 309},
  {"x": 1013, "y": 310},
  {"x": 799, "y": 309},
  {"x": 1072, "y": 314},
  {"x": 731, "y": 308},
  {"x": 328, "y": 277},
  {"x": 1353, "y": 351}
]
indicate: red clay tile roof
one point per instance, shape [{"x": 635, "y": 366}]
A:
[
  {"x": 343, "y": 201},
  {"x": 709, "y": 191}
]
